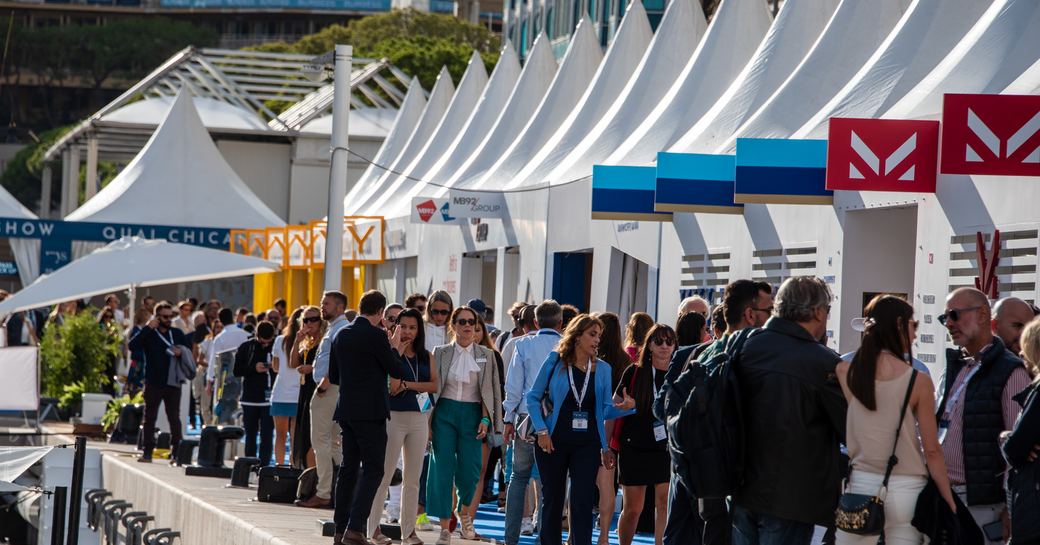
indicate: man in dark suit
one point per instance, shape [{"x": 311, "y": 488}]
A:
[{"x": 361, "y": 358}]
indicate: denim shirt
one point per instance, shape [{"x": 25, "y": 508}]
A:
[
  {"x": 559, "y": 386},
  {"x": 529, "y": 352}
]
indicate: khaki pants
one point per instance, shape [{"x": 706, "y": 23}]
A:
[
  {"x": 325, "y": 438},
  {"x": 410, "y": 430},
  {"x": 205, "y": 401}
]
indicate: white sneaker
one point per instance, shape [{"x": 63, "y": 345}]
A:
[
  {"x": 445, "y": 538},
  {"x": 527, "y": 527},
  {"x": 466, "y": 529}
]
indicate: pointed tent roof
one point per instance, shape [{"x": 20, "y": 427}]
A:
[
  {"x": 436, "y": 106},
  {"x": 572, "y": 79},
  {"x": 795, "y": 30},
  {"x": 489, "y": 108},
  {"x": 10, "y": 207},
  {"x": 851, "y": 37},
  {"x": 526, "y": 96},
  {"x": 471, "y": 86},
  {"x": 619, "y": 64},
  {"x": 676, "y": 39},
  {"x": 925, "y": 35},
  {"x": 404, "y": 125},
  {"x": 998, "y": 49},
  {"x": 733, "y": 37},
  {"x": 179, "y": 178}
]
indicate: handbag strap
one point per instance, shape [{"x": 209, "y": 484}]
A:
[{"x": 893, "y": 460}]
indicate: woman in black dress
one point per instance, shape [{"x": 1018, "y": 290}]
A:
[
  {"x": 304, "y": 349},
  {"x": 643, "y": 458}
]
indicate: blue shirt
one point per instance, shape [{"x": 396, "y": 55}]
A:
[
  {"x": 529, "y": 352},
  {"x": 321, "y": 361}
]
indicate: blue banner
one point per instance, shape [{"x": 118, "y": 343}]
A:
[
  {"x": 352, "y": 5},
  {"x": 56, "y": 236},
  {"x": 625, "y": 193},
  {"x": 772, "y": 171},
  {"x": 696, "y": 182}
]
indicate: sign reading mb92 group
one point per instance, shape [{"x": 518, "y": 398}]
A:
[{"x": 462, "y": 204}]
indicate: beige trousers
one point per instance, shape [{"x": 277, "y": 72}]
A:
[
  {"x": 410, "y": 430},
  {"x": 198, "y": 385},
  {"x": 325, "y": 438}
]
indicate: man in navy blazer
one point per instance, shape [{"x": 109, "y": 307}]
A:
[{"x": 360, "y": 362}]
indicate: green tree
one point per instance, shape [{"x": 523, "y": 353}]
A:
[
  {"x": 22, "y": 174},
  {"x": 76, "y": 355}
]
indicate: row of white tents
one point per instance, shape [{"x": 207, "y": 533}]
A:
[{"x": 692, "y": 87}]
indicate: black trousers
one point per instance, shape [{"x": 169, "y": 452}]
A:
[
  {"x": 257, "y": 420},
  {"x": 170, "y": 396},
  {"x": 718, "y": 524},
  {"x": 494, "y": 456},
  {"x": 684, "y": 525},
  {"x": 364, "y": 448},
  {"x": 582, "y": 462}
]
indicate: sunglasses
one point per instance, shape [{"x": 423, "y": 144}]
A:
[
  {"x": 767, "y": 310},
  {"x": 465, "y": 321},
  {"x": 664, "y": 342},
  {"x": 439, "y": 312},
  {"x": 312, "y": 319},
  {"x": 954, "y": 314}
]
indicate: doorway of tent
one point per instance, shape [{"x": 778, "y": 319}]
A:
[
  {"x": 572, "y": 279},
  {"x": 477, "y": 277},
  {"x": 878, "y": 257},
  {"x": 630, "y": 285}
]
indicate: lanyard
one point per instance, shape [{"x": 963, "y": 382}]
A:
[
  {"x": 168, "y": 343},
  {"x": 584, "y": 387},
  {"x": 415, "y": 370},
  {"x": 952, "y": 401}
]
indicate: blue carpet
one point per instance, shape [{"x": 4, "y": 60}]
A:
[{"x": 491, "y": 524}]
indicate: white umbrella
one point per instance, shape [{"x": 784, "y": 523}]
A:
[{"x": 130, "y": 263}]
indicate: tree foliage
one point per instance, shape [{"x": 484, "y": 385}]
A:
[
  {"x": 22, "y": 174},
  {"x": 416, "y": 42},
  {"x": 75, "y": 355}
]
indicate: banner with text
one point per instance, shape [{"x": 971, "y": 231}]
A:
[{"x": 458, "y": 204}]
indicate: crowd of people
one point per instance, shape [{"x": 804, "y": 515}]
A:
[{"x": 564, "y": 409}]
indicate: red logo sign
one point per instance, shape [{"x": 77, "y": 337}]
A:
[
  {"x": 882, "y": 155},
  {"x": 426, "y": 210},
  {"x": 991, "y": 134}
]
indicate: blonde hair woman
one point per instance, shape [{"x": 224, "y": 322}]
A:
[{"x": 301, "y": 357}]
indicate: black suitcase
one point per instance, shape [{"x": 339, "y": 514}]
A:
[{"x": 277, "y": 484}]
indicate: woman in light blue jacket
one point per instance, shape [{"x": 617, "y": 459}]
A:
[{"x": 571, "y": 435}]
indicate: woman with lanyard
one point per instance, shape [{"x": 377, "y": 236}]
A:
[
  {"x": 571, "y": 437},
  {"x": 409, "y": 426},
  {"x": 469, "y": 407},
  {"x": 641, "y": 439},
  {"x": 301, "y": 357}
]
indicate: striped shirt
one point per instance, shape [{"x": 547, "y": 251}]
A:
[{"x": 953, "y": 451}]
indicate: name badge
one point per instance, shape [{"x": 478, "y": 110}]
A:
[
  {"x": 660, "y": 434},
  {"x": 580, "y": 421},
  {"x": 423, "y": 399},
  {"x": 481, "y": 360},
  {"x": 944, "y": 426}
]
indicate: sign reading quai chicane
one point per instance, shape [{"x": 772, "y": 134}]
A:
[{"x": 56, "y": 236}]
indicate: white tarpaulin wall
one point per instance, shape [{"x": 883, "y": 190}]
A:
[
  {"x": 19, "y": 390},
  {"x": 1002, "y": 45},
  {"x": 926, "y": 34},
  {"x": 619, "y": 64},
  {"x": 795, "y": 30},
  {"x": 16, "y": 460},
  {"x": 851, "y": 37},
  {"x": 179, "y": 178},
  {"x": 26, "y": 250},
  {"x": 436, "y": 106},
  {"x": 462, "y": 105},
  {"x": 676, "y": 39},
  {"x": 735, "y": 33},
  {"x": 577, "y": 68},
  {"x": 404, "y": 124}
]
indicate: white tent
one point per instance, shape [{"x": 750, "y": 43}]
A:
[
  {"x": 998, "y": 49},
  {"x": 926, "y": 34},
  {"x": 436, "y": 106},
  {"x": 676, "y": 39},
  {"x": 733, "y": 37},
  {"x": 619, "y": 64},
  {"x": 26, "y": 250},
  {"x": 795, "y": 30},
  {"x": 404, "y": 125},
  {"x": 851, "y": 37},
  {"x": 572, "y": 79},
  {"x": 132, "y": 262},
  {"x": 215, "y": 114},
  {"x": 462, "y": 105},
  {"x": 179, "y": 178},
  {"x": 364, "y": 122}
]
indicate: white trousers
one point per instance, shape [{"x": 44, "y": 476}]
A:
[
  {"x": 410, "y": 431},
  {"x": 900, "y": 503}
]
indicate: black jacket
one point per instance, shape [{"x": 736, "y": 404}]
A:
[
  {"x": 794, "y": 413},
  {"x": 156, "y": 360},
  {"x": 359, "y": 362},
  {"x": 675, "y": 368},
  {"x": 256, "y": 387}
]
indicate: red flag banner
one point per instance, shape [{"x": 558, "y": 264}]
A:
[
  {"x": 991, "y": 134},
  {"x": 882, "y": 155}
]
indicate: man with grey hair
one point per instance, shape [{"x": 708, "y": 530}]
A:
[
  {"x": 794, "y": 421},
  {"x": 694, "y": 303},
  {"x": 1010, "y": 316}
]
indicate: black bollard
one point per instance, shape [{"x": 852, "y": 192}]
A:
[
  {"x": 58, "y": 520},
  {"x": 76, "y": 494}
]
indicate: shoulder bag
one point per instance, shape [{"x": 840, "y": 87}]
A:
[
  {"x": 862, "y": 514},
  {"x": 525, "y": 427}
]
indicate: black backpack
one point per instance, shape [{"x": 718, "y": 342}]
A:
[{"x": 706, "y": 425}]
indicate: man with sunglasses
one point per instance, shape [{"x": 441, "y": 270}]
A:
[
  {"x": 981, "y": 379},
  {"x": 160, "y": 342}
]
